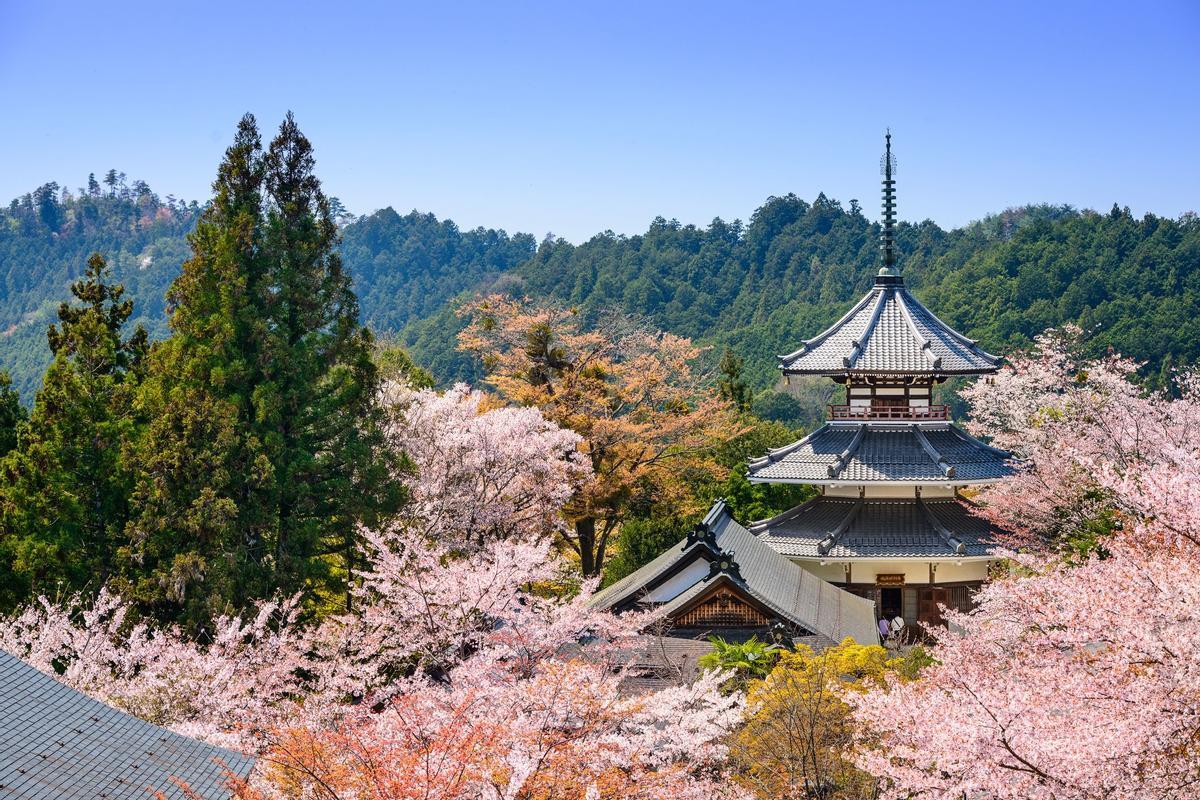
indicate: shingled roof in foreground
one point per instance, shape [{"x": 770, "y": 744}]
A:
[
  {"x": 59, "y": 744},
  {"x": 889, "y": 332}
]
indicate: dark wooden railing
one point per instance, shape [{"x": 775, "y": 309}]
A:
[{"x": 889, "y": 412}]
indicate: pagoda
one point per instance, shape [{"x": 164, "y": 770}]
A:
[{"x": 890, "y": 523}]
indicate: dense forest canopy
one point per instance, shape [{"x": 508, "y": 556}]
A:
[
  {"x": 758, "y": 288},
  {"x": 765, "y": 287}
]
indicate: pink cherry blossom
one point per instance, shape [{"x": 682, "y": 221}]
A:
[
  {"x": 1069, "y": 680},
  {"x": 456, "y": 675},
  {"x": 483, "y": 472}
]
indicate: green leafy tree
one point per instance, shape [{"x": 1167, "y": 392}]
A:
[
  {"x": 395, "y": 364},
  {"x": 747, "y": 661},
  {"x": 65, "y": 496}
]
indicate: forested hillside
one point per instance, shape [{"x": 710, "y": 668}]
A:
[
  {"x": 45, "y": 239},
  {"x": 404, "y": 267},
  {"x": 759, "y": 288}
]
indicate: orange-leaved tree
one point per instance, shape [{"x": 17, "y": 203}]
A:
[{"x": 648, "y": 418}]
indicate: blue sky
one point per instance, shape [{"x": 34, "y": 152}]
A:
[{"x": 577, "y": 117}]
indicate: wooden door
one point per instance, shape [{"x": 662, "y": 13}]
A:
[{"x": 928, "y": 600}]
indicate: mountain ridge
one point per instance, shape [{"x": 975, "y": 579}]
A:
[{"x": 757, "y": 287}]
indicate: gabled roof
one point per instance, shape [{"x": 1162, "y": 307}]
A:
[
  {"x": 889, "y": 332},
  {"x": 59, "y": 744},
  {"x": 883, "y": 452},
  {"x": 761, "y": 574},
  {"x": 836, "y": 527}
]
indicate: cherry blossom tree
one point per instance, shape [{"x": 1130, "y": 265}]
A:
[
  {"x": 537, "y": 712},
  {"x": 1063, "y": 415},
  {"x": 471, "y": 666},
  {"x": 649, "y": 424},
  {"x": 1079, "y": 677},
  {"x": 228, "y": 690},
  {"x": 483, "y": 471}
]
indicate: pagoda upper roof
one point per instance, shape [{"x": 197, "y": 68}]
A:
[
  {"x": 841, "y": 527},
  {"x": 883, "y": 452},
  {"x": 889, "y": 332},
  {"x": 728, "y": 554}
]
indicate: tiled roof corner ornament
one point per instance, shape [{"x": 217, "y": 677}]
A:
[
  {"x": 701, "y": 533},
  {"x": 724, "y": 564}
]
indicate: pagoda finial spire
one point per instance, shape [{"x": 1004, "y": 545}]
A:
[{"x": 887, "y": 246}]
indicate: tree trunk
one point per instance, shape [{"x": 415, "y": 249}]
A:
[{"x": 585, "y": 533}]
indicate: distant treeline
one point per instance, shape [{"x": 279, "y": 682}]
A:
[
  {"x": 757, "y": 288},
  {"x": 762, "y": 288}
]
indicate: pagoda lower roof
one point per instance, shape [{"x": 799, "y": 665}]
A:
[
  {"x": 883, "y": 452},
  {"x": 846, "y": 528},
  {"x": 889, "y": 332}
]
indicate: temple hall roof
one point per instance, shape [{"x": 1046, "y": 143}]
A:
[
  {"x": 59, "y": 744},
  {"x": 836, "y": 527},
  {"x": 722, "y": 551},
  {"x": 883, "y": 452},
  {"x": 889, "y": 332}
]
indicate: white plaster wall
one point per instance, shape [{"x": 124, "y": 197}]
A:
[
  {"x": 680, "y": 582},
  {"x": 913, "y": 571}
]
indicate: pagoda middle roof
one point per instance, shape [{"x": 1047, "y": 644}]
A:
[
  {"x": 883, "y": 452},
  {"x": 889, "y": 332}
]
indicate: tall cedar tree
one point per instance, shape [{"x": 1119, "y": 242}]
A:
[
  {"x": 267, "y": 448},
  {"x": 12, "y": 413},
  {"x": 318, "y": 403},
  {"x": 730, "y": 385},
  {"x": 205, "y": 493},
  {"x": 66, "y": 487}
]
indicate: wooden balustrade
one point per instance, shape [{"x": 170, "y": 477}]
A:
[{"x": 934, "y": 412}]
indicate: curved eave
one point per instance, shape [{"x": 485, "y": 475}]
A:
[
  {"x": 845, "y": 373},
  {"x": 868, "y": 482},
  {"x": 889, "y": 332},
  {"x": 946, "y": 558}
]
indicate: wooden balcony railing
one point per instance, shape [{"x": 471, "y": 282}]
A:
[{"x": 934, "y": 412}]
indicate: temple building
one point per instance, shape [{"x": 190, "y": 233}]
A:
[
  {"x": 889, "y": 532},
  {"x": 723, "y": 579},
  {"x": 890, "y": 523}
]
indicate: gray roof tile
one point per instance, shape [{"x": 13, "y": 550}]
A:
[
  {"x": 773, "y": 580},
  {"x": 888, "y": 331},
  {"x": 880, "y": 529},
  {"x": 835, "y": 453},
  {"x": 57, "y": 743}
]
